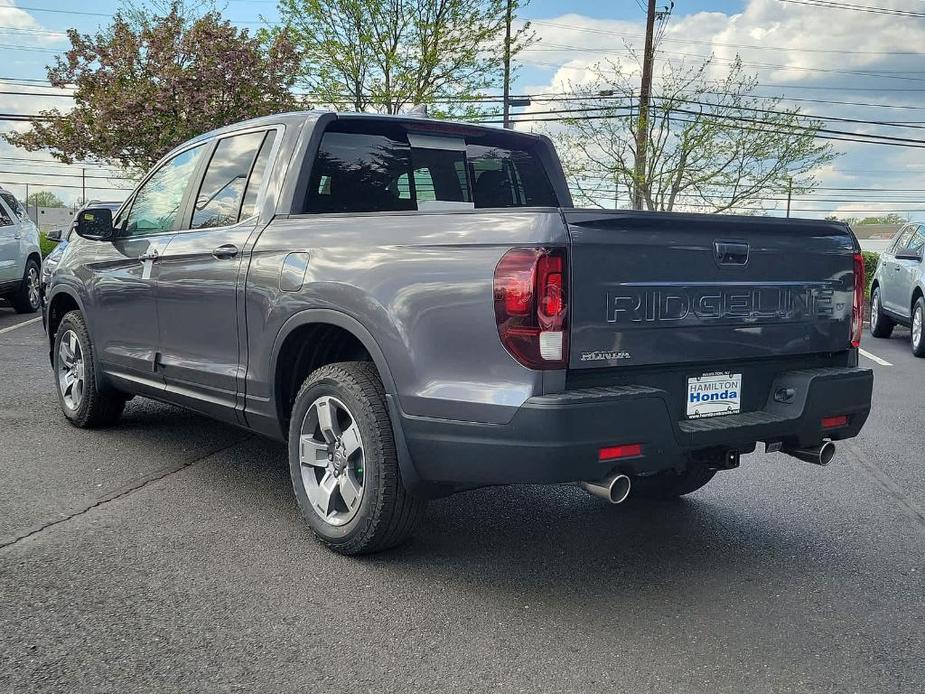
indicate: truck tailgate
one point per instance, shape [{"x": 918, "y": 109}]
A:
[{"x": 650, "y": 288}]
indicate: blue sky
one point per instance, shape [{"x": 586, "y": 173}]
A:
[{"x": 812, "y": 55}]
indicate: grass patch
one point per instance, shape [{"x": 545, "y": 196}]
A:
[{"x": 45, "y": 245}]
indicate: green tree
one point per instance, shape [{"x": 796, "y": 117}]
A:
[
  {"x": 144, "y": 85},
  {"x": 392, "y": 55},
  {"x": 713, "y": 146},
  {"x": 43, "y": 198}
]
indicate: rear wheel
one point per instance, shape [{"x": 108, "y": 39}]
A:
[
  {"x": 343, "y": 462},
  {"x": 75, "y": 364},
  {"x": 880, "y": 324},
  {"x": 27, "y": 298},
  {"x": 670, "y": 484},
  {"x": 918, "y": 325}
]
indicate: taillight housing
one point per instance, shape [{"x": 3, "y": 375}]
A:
[
  {"x": 531, "y": 306},
  {"x": 857, "y": 308}
]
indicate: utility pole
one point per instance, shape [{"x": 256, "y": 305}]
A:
[
  {"x": 507, "y": 64},
  {"x": 83, "y": 186},
  {"x": 789, "y": 194},
  {"x": 642, "y": 125}
]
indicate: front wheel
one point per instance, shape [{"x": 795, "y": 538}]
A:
[
  {"x": 918, "y": 325},
  {"x": 880, "y": 325},
  {"x": 343, "y": 462},
  {"x": 27, "y": 298},
  {"x": 85, "y": 405}
]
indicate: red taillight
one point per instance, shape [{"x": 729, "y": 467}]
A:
[
  {"x": 857, "y": 308},
  {"x": 627, "y": 450},
  {"x": 834, "y": 422},
  {"x": 531, "y": 291}
]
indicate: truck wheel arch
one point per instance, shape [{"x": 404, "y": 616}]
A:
[
  {"x": 324, "y": 316},
  {"x": 336, "y": 319}
]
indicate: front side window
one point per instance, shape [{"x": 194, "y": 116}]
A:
[
  {"x": 917, "y": 242},
  {"x": 360, "y": 172},
  {"x": 13, "y": 204},
  {"x": 218, "y": 203},
  {"x": 157, "y": 203},
  {"x": 5, "y": 219},
  {"x": 902, "y": 238},
  {"x": 505, "y": 177}
]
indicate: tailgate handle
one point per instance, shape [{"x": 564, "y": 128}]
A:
[{"x": 730, "y": 252}]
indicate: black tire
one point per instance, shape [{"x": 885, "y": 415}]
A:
[
  {"x": 95, "y": 408},
  {"x": 918, "y": 314},
  {"x": 880, "y": 325},
  {"x": 670, "y": 484},
  {"x": 387, "y": 513},
  {"x": 27, "y": 298}
]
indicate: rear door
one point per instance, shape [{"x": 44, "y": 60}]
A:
[
  {"x": 671, "y": 288},
  {"x": 197, "y": 278}
]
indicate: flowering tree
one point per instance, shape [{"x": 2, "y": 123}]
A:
[{"x": 147, "y": 83}]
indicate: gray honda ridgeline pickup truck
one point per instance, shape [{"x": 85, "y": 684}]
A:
[{"x": 417, "y": 308}]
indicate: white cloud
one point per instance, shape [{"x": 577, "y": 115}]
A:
[{"x": 796, "y": 51}]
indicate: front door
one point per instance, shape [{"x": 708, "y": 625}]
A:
[
  {"x": 890, "y": 291},
  {"x": 199, "y": 275},
  {"x": 123, "y": 272},
  {"x": 10, "y": 270}
]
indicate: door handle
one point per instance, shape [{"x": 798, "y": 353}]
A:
[
  {"x": 149, "y": 255},
  {"x": 228, "y": 250}
]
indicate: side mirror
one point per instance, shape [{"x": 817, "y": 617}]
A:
[
  {"x": 54, "y": 235},
  {"x": 94, "y": 223}
]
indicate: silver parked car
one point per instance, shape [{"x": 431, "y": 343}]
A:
[
  {"x": 20, "y": 257},
  {"x": 898, "y": 287}
]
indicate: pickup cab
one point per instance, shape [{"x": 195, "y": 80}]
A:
[{"x": 417, "y": 308}]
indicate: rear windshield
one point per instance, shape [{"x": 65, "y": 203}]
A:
[{"x": 382, "y": 169}]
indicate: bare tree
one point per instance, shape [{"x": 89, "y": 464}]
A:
[{"x": 713, "y": 145}]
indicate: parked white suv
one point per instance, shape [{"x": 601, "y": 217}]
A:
[{"x": 20, "y": 257}]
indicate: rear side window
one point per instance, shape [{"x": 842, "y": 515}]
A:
[
  {"x": 361, "y": 172},
  {"x": 221, "y": 193},
  {"x": 504, "y": 177},
  {"x": 254, "y": 183}
]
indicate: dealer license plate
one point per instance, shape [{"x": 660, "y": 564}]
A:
[{"x": 714, "y": 394}]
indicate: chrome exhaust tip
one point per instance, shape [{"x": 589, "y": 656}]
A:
[
  {"x": 615, "y": 488},
  {"x": 817, "y": 455}
]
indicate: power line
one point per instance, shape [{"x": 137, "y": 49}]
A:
[{"x": 890, "y": 11}]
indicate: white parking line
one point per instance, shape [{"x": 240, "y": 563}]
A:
[
  {"x": 874, "y": 358},
  {"x": 19, "y": 325}
]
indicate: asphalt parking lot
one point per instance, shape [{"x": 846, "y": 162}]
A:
[{"x": 167, "y": 555}]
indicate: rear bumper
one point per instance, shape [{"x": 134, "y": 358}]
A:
[{"x": 557, "y": 438}]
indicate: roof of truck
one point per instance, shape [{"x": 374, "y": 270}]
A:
[{"x": 425, "y": 124}]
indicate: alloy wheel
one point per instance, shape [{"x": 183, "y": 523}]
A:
[
  {"x": 333, "y": 460},
  {"x": 874, "y": 309},
  {"x": 32, "y": 287},
  {"x": 917, "y": 327},
  {"x": 71, "y": 371}
]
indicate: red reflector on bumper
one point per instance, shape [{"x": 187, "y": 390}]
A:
[
  {"x": 832, "y": 422},
  {"x": 625, "y": 451}
]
